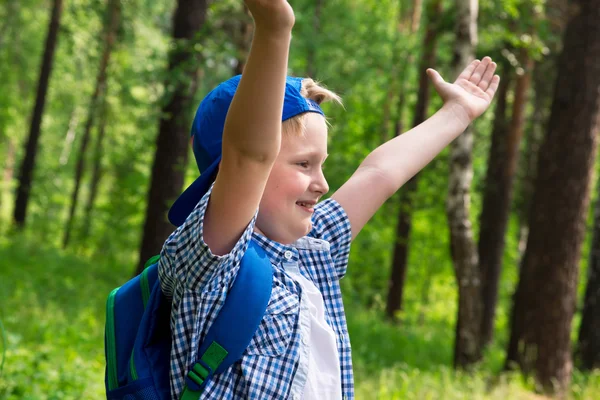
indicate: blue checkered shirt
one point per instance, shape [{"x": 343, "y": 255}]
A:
[{"x": 275, "y": 364}]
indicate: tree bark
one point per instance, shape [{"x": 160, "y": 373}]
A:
[
  {"x": 404, "y": 225},
  {"x": 402, "y": 58},
  {"x": 8, "y": 171},
  {"x": 96, "y": 172},
  {"x": 27, "y": 166},
  {"x": 69, "y": 137},
  {"x": 546, "y": 295},
  {"x": 588, "y": 346},
  {"x": 504, "y": 155},
  {"x": 467, "y": 349},
  {"x": 113, "y": 16},
  {"x": 173, "y": 137},
  {"x": 311, "y": 57},
  {"x": 243, "y": 38},
  {"x": 491, "y": 237}
]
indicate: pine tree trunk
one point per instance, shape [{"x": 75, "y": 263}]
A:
[
  {"x": 173, "y": 137},
  {"x": 113, "y": 13},
  {"x": 242, "y": 38},
  {"x": 401, "y": 60},
  {"x": 69, "y": 137},
  {"x": 96, "y": 172},
  {"x": 467, "y": 348},
  {"x": 491, "y": 239},
  {"x": 546, "y": 296},
  {"x": 588, "y": 346},
  {"x": 416, "y": 15},
  {"x": 27, "y": 166},
  {"x": 534, "y": 136},
  {"x": 311, "y": 56},
  {"x": 497, "y": 200},
  {"x": 404, "y": 225},
  {"x": 9, "y": 167}
]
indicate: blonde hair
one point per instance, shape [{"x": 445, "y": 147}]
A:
[{"x": 314, "y": 91}]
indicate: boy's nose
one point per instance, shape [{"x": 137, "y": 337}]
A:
[{"x": 320, "y": 184}]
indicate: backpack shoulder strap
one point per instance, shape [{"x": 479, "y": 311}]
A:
[{"x": 236, "y": 323}]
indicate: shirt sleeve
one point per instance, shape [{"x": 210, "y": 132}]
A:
[
  {"x": 187, "y": 260},
  {"x": 331, "y": 223}
]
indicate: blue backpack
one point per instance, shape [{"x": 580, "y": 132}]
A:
[{"x": 138, "y": 335}]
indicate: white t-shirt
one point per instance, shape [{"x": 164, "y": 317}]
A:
[{"x": 323, "y": 381}]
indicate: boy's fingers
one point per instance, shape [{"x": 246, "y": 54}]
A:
[
  {"x": 467, "y": 72},
  {"x": 491, "y": 90},
  {"x": 435, "y": 77},
  {"x": 487, "y": 76},
  {"x": 480, "y": 70}
]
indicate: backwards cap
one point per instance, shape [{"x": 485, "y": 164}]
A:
[{"x": 207, "y": 137}]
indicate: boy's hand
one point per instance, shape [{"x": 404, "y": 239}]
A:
[
  {"x": 274, "y": 16},
  {"x": 472, "y": 91}
]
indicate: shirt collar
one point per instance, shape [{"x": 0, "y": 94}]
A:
[{"x": 276, "y": 251}]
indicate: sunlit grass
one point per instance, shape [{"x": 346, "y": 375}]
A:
[{"x": 52, "y": 306}]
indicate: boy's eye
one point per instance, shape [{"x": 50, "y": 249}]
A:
[{"x": 303, "y": 164}]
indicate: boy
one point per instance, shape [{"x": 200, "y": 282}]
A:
[{"x": 262, "y": 179}]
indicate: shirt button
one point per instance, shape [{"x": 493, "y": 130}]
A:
[
  {"x": 288, "y": 254},
  {"x": 305, "y": 340}
]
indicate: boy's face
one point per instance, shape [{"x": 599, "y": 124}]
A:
[{"x": 295, "y": 184}]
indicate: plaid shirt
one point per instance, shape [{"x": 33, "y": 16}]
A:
[{"x": 275, "y": 363}]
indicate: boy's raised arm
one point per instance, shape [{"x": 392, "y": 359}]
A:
[
  {"x": 392, "y": 164},
  {"x": 252, "y": 132}
]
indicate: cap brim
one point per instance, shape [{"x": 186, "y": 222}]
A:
[{"x": 188, "y": 200}]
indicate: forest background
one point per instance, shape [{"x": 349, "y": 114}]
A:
[{"x": 478, "y": 280}]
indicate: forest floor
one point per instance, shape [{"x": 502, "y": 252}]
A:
[{"x": 52, "y": 307}]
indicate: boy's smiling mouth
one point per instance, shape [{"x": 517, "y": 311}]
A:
[{"x": 307, "y": 206}]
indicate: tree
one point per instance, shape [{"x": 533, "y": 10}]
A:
[
  {"x": 311, "y": 56},
  {"x": 546, "y": 294},
  {"x": 26, "y": 169},
  {"x": 497, "y": 197},
  {"x": 467, "y": 348},
  {"x": 173, "y": 137},
  {"x": 96, "y": 170},
  {"x": 404, "y": 224},
  {"x": 588, "y": 347},
  {"x": 113, "y": 12}
]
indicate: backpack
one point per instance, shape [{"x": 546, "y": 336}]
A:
[{"x": 138, "y": 334}]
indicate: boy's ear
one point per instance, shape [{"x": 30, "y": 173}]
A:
[{"x": 319, "y": 99}]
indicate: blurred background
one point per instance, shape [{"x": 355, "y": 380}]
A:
[{"x": 479, "y": 279}]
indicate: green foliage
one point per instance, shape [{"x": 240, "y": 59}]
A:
[
  {"x": 53, "y": 307},
  {"x": 52, "y": 302}
]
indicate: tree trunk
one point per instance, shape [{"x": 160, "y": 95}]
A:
[
  {"x": 311, "y": 57},
  {"x": 113, "y": 13},
  {"x": 26, "y": 169},
  {"x": 545, "y": 71},
  {"x": 546, "y": 296},
  {"x": 535, "y": 135},
  {"x": 173, "y": 137},
  {"x": 416, "y": 15},
  {"x": 467, "y": 349},
  {"x": 404, "y": 225},
  {"x": 504, "y": 155},
  {"x": 69, "y": 137},
  {"x": 243, "y": 38},
  {"x": 401, "y": 60},
  {"x": 96, "y": 173},
  {"x": 588, "y": 347},
  {"x": 9, "y": 167},
  {"x": 491, "y": 237}
]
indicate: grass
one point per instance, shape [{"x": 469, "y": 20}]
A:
[{"x": 52, "y": 308}]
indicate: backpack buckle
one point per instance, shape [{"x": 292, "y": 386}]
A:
[{"x": 198, "y": 375}]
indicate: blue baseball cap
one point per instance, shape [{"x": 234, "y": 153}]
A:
[{"x": 207, "y": 137}]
